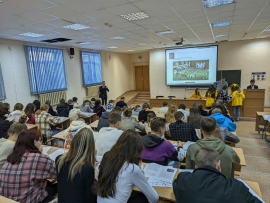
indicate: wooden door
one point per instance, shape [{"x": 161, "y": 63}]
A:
[
  {"x": 139, "y": 78},
  {"x": 146, "y": 85}
]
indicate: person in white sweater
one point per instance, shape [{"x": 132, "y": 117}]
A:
[
  {"x": 76, "y": 113},
  {"x": 108, "y": 136},
  {"x": 120, "y": 171},
  {"x": 7, "y": 145}
]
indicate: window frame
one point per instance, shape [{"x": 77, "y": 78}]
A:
[{"x": 2, "y": 83}]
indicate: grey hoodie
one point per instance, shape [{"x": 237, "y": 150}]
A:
[{"x": 104, "y": 120}]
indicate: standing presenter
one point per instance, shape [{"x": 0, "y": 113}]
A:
[{"x": 103, "y": 93}]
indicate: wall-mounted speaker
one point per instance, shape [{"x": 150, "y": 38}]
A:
[{"x": 71, "y": 52}]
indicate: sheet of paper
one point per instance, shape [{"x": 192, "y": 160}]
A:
[
  {"x": 88, "y": 113},
  {"x": 250, "y": 190},
  {"x": 158, "y": 172},
  {"x": 56, "y": 154},
  {"x": 45, "y": 150},
  {"x": 266, "y": 117},
  {"x": 186, "y": 170},
  {"x": 158, "y": 183},
  {"x": 188, "y": 143},
  {"x": 62, "y": 118}
]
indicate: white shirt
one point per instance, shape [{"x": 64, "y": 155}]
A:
[
  {"x": 163, "y": 109},
  {"x": 186, "y": 113},
  {"x": 128, "y": 177},
  {"x": 107, "y": 137}
]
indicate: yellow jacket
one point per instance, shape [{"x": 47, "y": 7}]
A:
[
  {"x": 237, "y": 98},
  {"x": 210, "y": 100},
  {"x": 193, "y": 95}
]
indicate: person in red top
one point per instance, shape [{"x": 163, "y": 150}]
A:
[
  {"x": 23, "y": 177},
  {"x": 30, "y": 113}
]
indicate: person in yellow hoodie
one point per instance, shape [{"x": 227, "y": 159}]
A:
[
  {"x": 210, "y": 95},
  {"x": 196, "y": 94},
  {"x": 237, "y": 101}
]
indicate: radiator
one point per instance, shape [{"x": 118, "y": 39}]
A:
[
  {"x": 54, "y": 97},
  {"x": 92, "y": 91}
]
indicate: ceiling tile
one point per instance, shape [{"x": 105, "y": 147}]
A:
[{"x": 38, "y": 16}]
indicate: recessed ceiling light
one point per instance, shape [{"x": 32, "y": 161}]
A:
[
  {"x": 262, "y": 36},
  {"x": 130, "y": 50},
  {"x": 119, "y": 38},
  {"x": 83, "y": 43},
  {"x": 163, "y": 32},
  {"x": 267, "y": 30},
  {"x": 76, "y": 27},
  {"x": 31, "y": 34},
  {"x": 142, "y": 44},
  {"x": 220, "y": 35},
  {"x": 213, "y": 3},
  {"x": 112, "y": 47},
  {"x": 221, "y": 24},
  {"x": 135, "y": 16}
]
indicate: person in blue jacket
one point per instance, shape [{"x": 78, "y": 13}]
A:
[
  {"x": 103, "y": 93},
  {"x": 222, "y": 120}
]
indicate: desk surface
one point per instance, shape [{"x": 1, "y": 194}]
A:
[
  {"x": 31, "y": 126},
  {"x": 60, "y": 135},
  {"x": 94, "y": 124},
  {"x": 6, "y": 200}
]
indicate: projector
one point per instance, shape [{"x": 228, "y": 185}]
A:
[{"x": 180, "y": 42}]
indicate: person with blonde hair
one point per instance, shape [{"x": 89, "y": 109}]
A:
[
  {"x": 130, "y": 123},
  {"x": 147, "y": 124},
  {"x": 76, "y": 169},
  {"x": 169, "y": 116},
  {"x": 16, "y": 113},
  {"x": 44, "y": 121},
  {"x": 76, "y": 113}
]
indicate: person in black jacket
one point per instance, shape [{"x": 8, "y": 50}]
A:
[
  {"x": 37, "y": 104},
  {"x": 62, "y": 108},
  {"x": 4, "y": 124},
  {"x": 252, "y": 86},
  {"x": 51, "y": 111},
  {"x": 144, "y": 112},
  {"x": 103, "y": 89},
  {"x": 207, "y": 184}
]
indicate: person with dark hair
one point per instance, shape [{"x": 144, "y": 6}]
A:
[
  {"x": 147, "y": 124},
  {"x": 62, "y": 108},
  {"x": 222, "y": 120},
  {"x": 30, "y": 113},
  {"x": 121, "y": 103},
  {"x": 220, "y": 84},
  {"x": 228, "y": 156},
  {"x": 16, "y": 113},
  {"x": 37, "y": 104},
  {"x": 202, "y": 111},
  {"x": 194, "y": 117},
  {"x": 164, "y": 108},
  {"x": 232, "y": 87},
  {"x": 103, "y": 89},
  {"x": 120, "y": 171},
  {"x": 182, "y": 108},
  {"x": 144, "y": 112},
  {"x": 104, "y": 119},
  {"x": 108, "y": 136},
  {"x": 182, "y": 131},
  {"x": 110, "y": 106},
  {"x": 51, "y": 111},
  {"x": 210, "y": 95},
  {"x": 23, "y": 177},
  {"x": 213, "y": 107},
  {"x": 130, "y": 123},
  {"x": 76, "y": 169},
  {"x": 7, "y": 106},
  {"x": 158, "y": 150},
  {"x": 252, "y": 85},
  {"x": 237, "y": 101},
  {"x": 4, "y": 123},
  {"x": 196, "y": 94},
  {"x": 208, "y": 182},
  {"x": 74, "y": 100},
  {"x": 7, "y": 145},
  {"x": 86, "y": 107},
  {"x": 98, "y": 109},
  {"x": 223, "y": 95}
]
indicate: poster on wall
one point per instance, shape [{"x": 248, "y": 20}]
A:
[{"x": 258, "y": 75}]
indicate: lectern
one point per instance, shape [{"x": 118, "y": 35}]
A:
[{"x": 253, "y": 102}]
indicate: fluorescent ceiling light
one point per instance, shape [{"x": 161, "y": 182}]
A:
[
  {"x": 262, "y": 36},
  {"x": 163, "y": 32},
  {"x": 31, "y": 34},
  {"x": 83, "y": 43},
  {"x": 130, "y": 50},
  {"x": 119, "y": 38},
  {"x": 76, "y": 27},
  {"x": 142, "y": 44},
  {"x": 213, "y": 3},
  {"x": 112, "y": 47},
  {"x": 135, "y": 16},
  {"x": 267, "y": 30},
  {"x": 220, "y": 35},
  {"x": 221, "y": 24}
]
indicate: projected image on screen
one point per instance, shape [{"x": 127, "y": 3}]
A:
[{"x": 191, "y": 70}]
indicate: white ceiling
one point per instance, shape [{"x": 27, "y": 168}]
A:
[{"x": 187, "y": 18}]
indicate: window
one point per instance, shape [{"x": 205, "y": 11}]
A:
[
  {"x": 46, "y": 69},
  {"x": 91, "y": 68},
  {"x": 2, "y": 87}
]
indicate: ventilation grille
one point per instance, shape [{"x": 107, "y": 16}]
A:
[
  {"x": 54, "y": 97},
  {"x": 92, "y": 91}
]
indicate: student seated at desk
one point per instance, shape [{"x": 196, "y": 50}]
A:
[
  {"x": 210, "y": 95},
  {"x": 7, "y": 145},
  {"x": 202, "y": 111},
  {"x": 76, "y": 113},
  {"x": 24, "y": 176},
  {"x": 169, "y": 115},
  {"x": 158, "y": 150},
  {"x": 7, "y": 106},
  {"x": 164, "y": 109},
  {"x": 51, "y": 111},
  {"x": 147, "y": 126},
  {"x": 208, "y": 182},
  {"x": 30, "y": 113},
  {"x": 136, "y": 110},
  {"x": 194, "y": 117},
  {"x": 144, "y": 112},
  {"x": 86, "y": 107},
  {"x": 98, "y": 109},
  {"x": 44, "y": 120},
  {"x": 182, "y": 108},
  {"x": 108, "y": 136},
  {"x": 222, "y": 120},
  {"x": 110, "y": 105},
  {"x": 226, "y": 135},
  {"x": 62, "y": 108},
  {"x": 196, "y": 94},
  {"x": 37, "y": 104},
  {"x": 129, "y": 123},
  {"x": 76, "y": 169},
  {"x": 228, "y": 156},
  {"x": 120, "y": 171},
  {"x": 76, "y": 126},
  {"x": 121, "y": 103},
  {"x": 182, "y": 131},
  {"x": 16, "y": 113}
]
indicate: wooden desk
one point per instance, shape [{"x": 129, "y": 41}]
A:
[
  {"x": 253, "y": 102},
  {"x": 91, "y": 117},
  {"x": 259, "y": 120},
  {"x": 65, "y": 122},
  {"x": 94, "y": 124},
  {"x": 177, "y": 101},
  {"x": 155, "y": 109},
  {"x": 6, "y": 200},
  {"x": 32, "y": 126},
  {"x": 61, "y": 135}
]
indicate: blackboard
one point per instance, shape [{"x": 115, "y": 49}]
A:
[{"x": 232, "y": 76}]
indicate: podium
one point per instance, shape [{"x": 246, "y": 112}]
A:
[{"x": 253, "y": 102}]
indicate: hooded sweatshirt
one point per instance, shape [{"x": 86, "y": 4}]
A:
[
  {"x": 6, "y": 147},
  {"x": 136, "y": 112},
  {"x": 107, "y": 137},
  {"x": 227, "y": 155},
  {"x": 223, "y": 121},
  {"x": 104, "y": 120},
  {"x": 4, "y": 126},
  {"x": 15, "y": 115},
  {"x": 160, "y": 151},
  {"x": 75, "y": 126},
  {"x": 237, "y": 98}
]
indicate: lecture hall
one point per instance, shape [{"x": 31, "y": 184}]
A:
[{"x": 134, "y": 101}]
